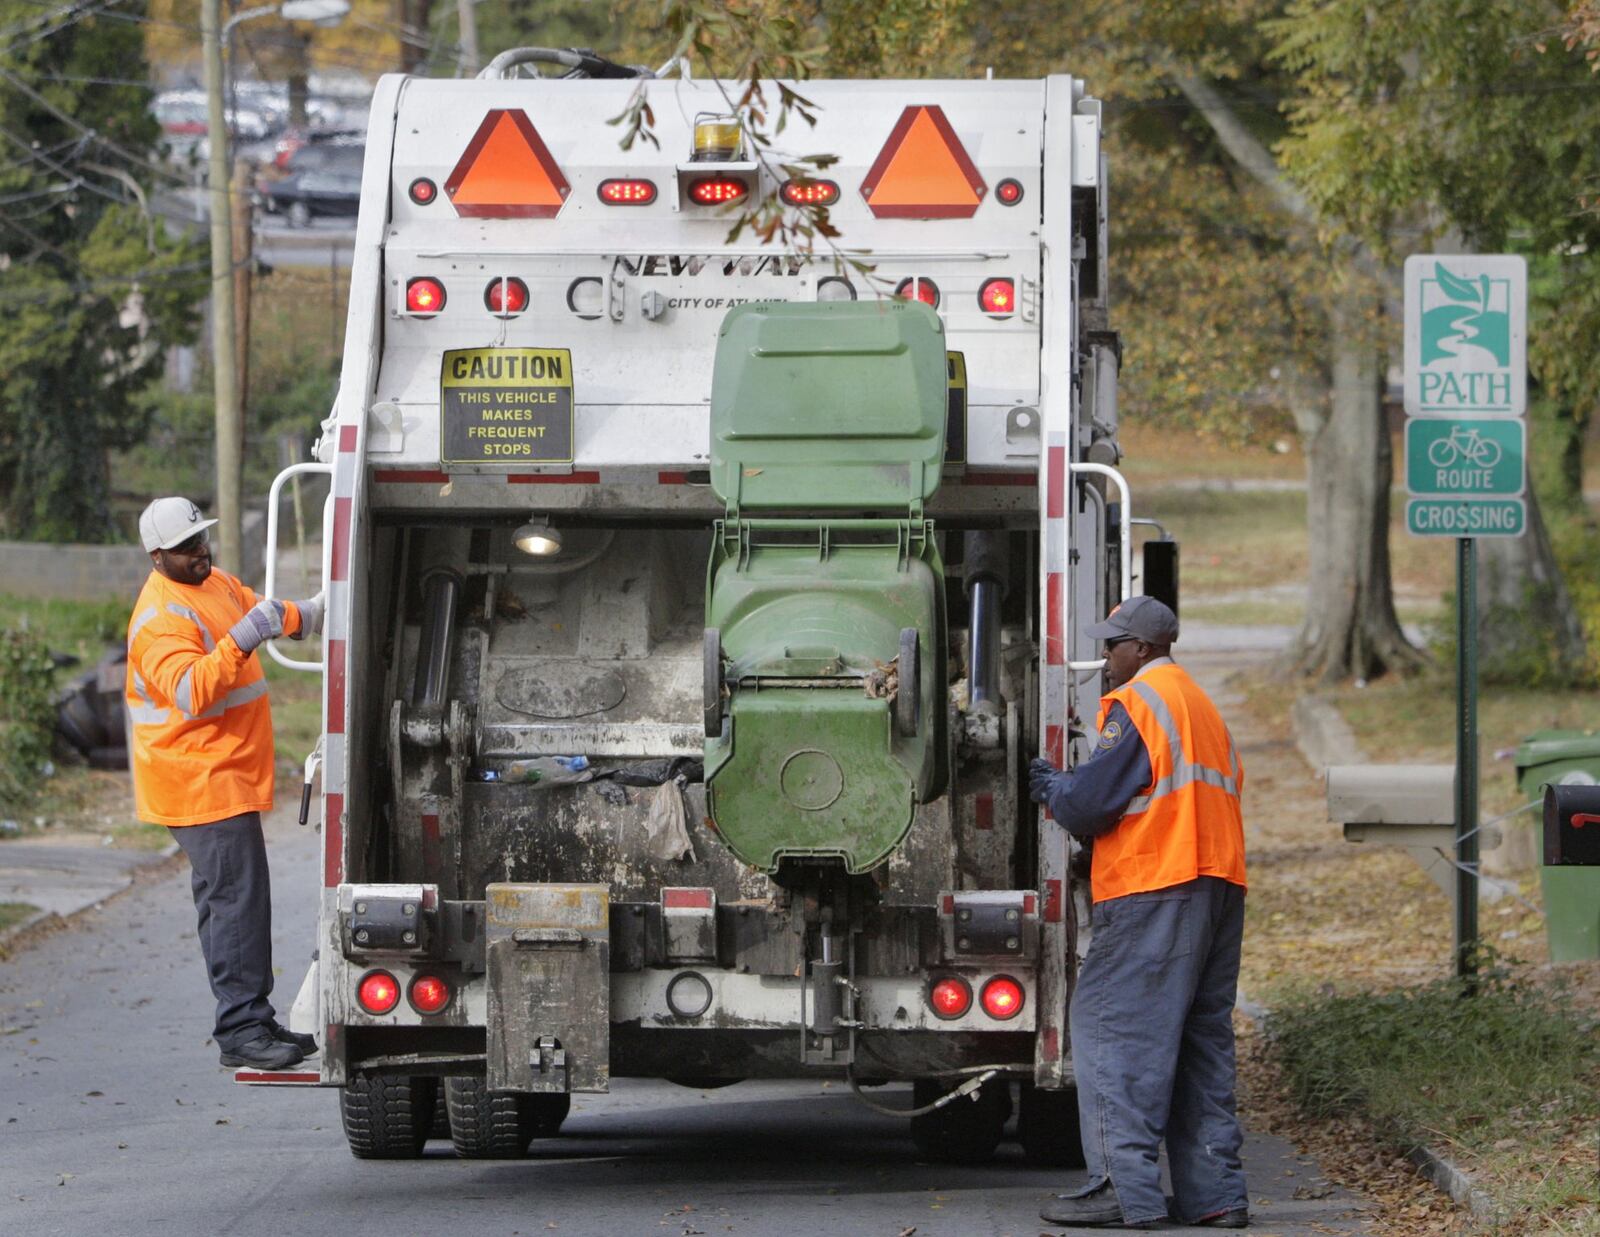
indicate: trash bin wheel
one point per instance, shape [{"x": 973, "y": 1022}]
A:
[
  {"x": 713, "y": 682},
  {"x": 908, "y": 696}
]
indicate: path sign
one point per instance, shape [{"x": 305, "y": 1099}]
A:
[
  {"x": 1466, "y": 335},
  {"x": 1480, "y": 458},
  {"x": 1471, "y": 517}
]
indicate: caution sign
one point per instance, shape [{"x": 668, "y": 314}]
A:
[
  {"x": 955, "y": 430},
  {"x": 505, "y": 406}
]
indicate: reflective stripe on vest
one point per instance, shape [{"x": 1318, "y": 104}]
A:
[
  {"x": 183, "y": 697},
  {"x": 205, "y": 632},
  {"x": 1184, "y": 771},
  {"x": 145, "y": 714}
]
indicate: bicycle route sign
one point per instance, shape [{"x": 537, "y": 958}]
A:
[{"x": 1465, "y": 393}]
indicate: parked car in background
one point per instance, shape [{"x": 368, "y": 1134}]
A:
[{"x": 321, "y": 180}]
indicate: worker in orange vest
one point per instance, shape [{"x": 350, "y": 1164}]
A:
[
  {"x": 200, "y": 747},
  {"x": 1152, "y": 1010}
]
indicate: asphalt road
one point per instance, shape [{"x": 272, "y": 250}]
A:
[{"x": 116, "y": 1120}]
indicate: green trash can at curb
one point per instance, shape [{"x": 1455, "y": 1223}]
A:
[{"x": 1571, "y": 894}]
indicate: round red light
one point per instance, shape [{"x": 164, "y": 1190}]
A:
[
  {"x": 627, "y": 192},
  {"x": 378, "y": 992},
  {"x": 916, "y": 289},
  {"x": 950, "y": 997},
  {"x": 1002, "y": 998},
  {"x": 998, "y": 298},
  {"x": 1009, "y": 192},
  {"x": 506, "y": 297},
  {"x": 429, "y": 994},
  {"x": 717, "y": 191},
  {"x": 810, "y": 192},
  {"x": 423, "y": 191},
  {"x": 424, "y": 296}
]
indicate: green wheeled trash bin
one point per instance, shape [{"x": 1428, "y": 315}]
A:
[{"x": 1571, "y": 894}]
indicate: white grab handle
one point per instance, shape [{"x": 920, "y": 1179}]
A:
[
  {"x": 1125, "y": 530},
  {"x": 311, "y": 466}
]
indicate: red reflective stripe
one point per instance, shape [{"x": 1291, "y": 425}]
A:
[
  {"x": 1054, "y": 746},
  {"x": 410, "y": 476},
  {"x": 1028, "y": 903},
  {"x": 333, "y": 855},
  {"x": 949, "y": 904},
  {"x": 985, "y": 811},
  {"x": 672, "y": 478},
  {"x": 1055, "y": 642},
  {"x": 430, "y": 843},
  {"x": 1052, "y": 1041},
  {"x": 334, "y": 689},
  {"x": 1056, "y": 484},
  {"x": 697, "y": 899},
  {"x": 255, "y": 1077},
  {"x": 347, "y": 437},
  {"x": 553, "y": 478},
  {"x": 1052, "y": 901},
  {"x": 999, "y": 478},
  {"x": 339, "y": 565}
]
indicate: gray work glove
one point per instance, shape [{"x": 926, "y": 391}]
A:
[
  {"x": 310, "y": 616},
  {"x": 263, "y": 621},
  {"x": 1042, "y": 777}
]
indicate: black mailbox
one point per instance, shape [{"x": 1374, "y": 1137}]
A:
[{"x": 1572, "y": 825}]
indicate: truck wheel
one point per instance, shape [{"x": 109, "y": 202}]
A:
[
  {"x": 439, "y": 1127},
  {"x": 485, "y": 1124},
  {"x": 1047, "y": 1128},
  {"x": 908, "y": 696},
  {"x": 713, "y": 682},
  {"x": 546, "y": 1113},
  {"x": 387, "y": 1116},
  {"x": 964, "y": 1131}
]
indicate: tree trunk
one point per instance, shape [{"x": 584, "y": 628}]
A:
[
  {"x": 1350, "y": 628},
  {"x": 1528, "y": 628}
]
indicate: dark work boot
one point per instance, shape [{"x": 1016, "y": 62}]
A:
[
  {"x": 1236, "y": 1217},
  {"x": 263, "y": 1052},
  {"x": 305, "y": 1043},
  {"x": 1098, "y": 1207}
]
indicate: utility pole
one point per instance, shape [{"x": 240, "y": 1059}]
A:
[
  {"x": 468, "y": 17},
  {"x": 225, "y": 382},
  {"x": 243, "y": 224}
]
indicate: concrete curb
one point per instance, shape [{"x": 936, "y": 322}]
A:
[
  {"x": 1322, "y": 735},
  {"x": 1454, "y": 1183},
  {"x": 42, "y": 921}
]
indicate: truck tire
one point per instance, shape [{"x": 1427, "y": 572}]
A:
[
  {"x": 908, "y": 696},
  {"x": 485, "y": 1124},
  {"x": 1048, "y": 1129},
  {"x": 440, "y": 1125},
  {"x": 964, "y": 1131},
  {"x": 387, "y": 1116},
  {"x": 712, "y": 690}
]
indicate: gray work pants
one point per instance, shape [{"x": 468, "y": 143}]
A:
[
  {"x": 1152, "y": 1048},
  {"x": 233, "y": 894}
]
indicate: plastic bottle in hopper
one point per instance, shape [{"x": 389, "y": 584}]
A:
[{"x": 548, "y": 771}]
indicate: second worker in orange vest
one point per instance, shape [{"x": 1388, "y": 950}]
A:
[{"x": 1151, "y": 1017}]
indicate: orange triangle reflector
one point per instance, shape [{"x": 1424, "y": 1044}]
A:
[
  {"x": 923, "y": 171},
  {"x": 506, "y": 172}
]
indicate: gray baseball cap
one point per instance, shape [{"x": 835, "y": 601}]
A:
[
  {"x": 1143, "y": 618},
  {"x": 170, "y": 521}
]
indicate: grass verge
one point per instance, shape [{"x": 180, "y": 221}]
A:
[
  {"x": 13, "y": 913},
  {"x": 1506, "y": 1082}
]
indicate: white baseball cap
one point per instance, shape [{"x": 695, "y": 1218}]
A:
[{"x": 170, "y": 521}]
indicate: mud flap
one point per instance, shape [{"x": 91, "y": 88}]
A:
[{"x": 549, "y": 1011}]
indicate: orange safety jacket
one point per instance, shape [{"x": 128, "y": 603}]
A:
[
  {"x": 200, "y": 736},
  {"x": 1187, "y": 823}
]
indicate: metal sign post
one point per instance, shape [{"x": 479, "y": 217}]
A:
[{"x": 1466, "y": 370}]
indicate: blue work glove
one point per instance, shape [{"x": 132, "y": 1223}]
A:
[
  {"x": 1042, "y": 777},
  {"x": 310, "y": 616},
  {"x": 263, "y": 621}
]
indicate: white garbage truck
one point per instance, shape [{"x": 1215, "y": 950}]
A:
[{"x": 695, "y": 606}]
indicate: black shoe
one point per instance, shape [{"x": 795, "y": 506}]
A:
[
  {"x": 305, "y": 1043},
  {"x": 1098, "y": 1207},
  {"x": 1238, "y": 1217},
  {"x": 263, "y": 1052}
]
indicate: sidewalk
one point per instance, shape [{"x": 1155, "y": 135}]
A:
[{"x": 64, "y": 877}]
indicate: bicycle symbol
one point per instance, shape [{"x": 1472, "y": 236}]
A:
[{"x": 1466, "y": 446}]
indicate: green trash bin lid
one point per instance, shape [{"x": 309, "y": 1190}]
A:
[{"x": 1552, "y": 746}]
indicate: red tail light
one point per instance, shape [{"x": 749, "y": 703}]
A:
[
  {"x": 429, "y": 994},
  {"x": 810, "y": 192},
  {"x": 506, "y": 297},
  {"x": 378, "y": 992},
  {"x": 998, "y": 298},
  {"x": 950, "y": 997},
  {"x": 717, "y": 191},
  {"x": 424, "y": 295},
  {"x": 423, "y": 191},
  {"x": 918, "y": 289},
  {"x": 1002, "y": 998},
  {"x": 627, "y": 192},
  {"x": 1009, "y": 192}
]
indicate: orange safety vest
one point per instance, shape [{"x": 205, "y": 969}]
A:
[
  {"x": 200, "y": 740},
  {"x": 1187, "y": 823}
]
